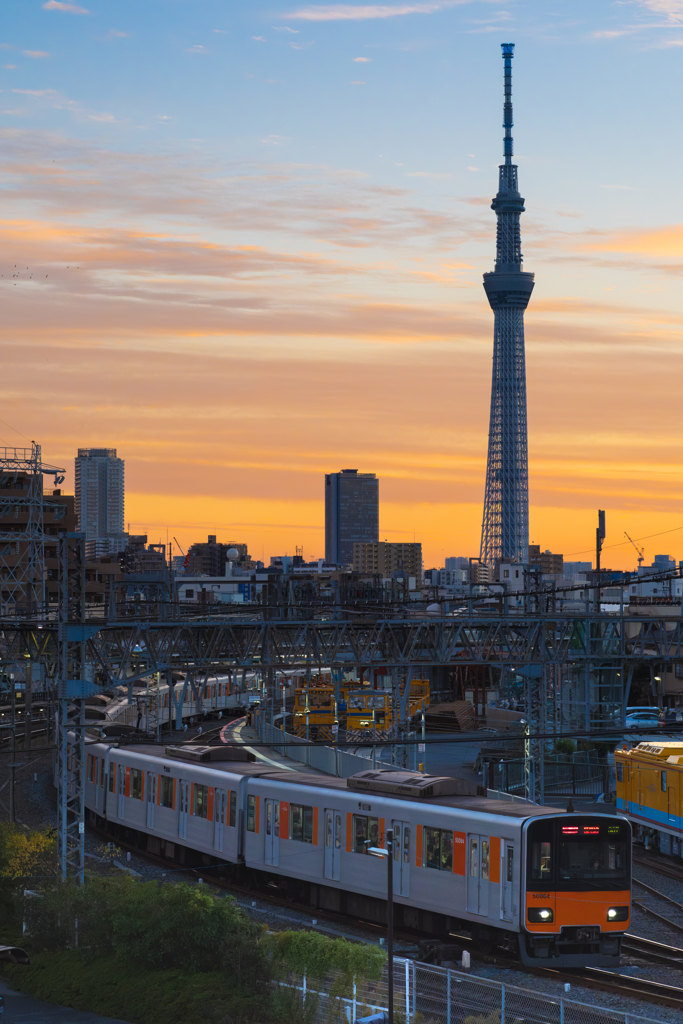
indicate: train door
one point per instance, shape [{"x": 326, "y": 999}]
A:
[
  {"x": 151, "y": 797},
  {"x": 220, "y": 805},
  {"x": 507, "y": 875},
  {"x": 478, "y": 850},
  {"x": 272, "y": 832},
  {"x": 640, "y": 798},
  {"x": 671, "y": 804},
  {"x": 401, "y": 871},
  {"x": 184, "y": 803},
  {"x": 333, "y": 826},
  {"x": 120, "y": 789}
]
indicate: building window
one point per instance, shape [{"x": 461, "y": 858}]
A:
[
  {"x": 506, "y": 574},
  {"x": 251, "y": 814},
  {"x": 365, "y": 832},
  {"x": 663, "y": 782},
  {"x": 166, "y": 792},
  {"x": 620, "y": 772},
  {"x": 136, "y": 783},
  {"x": 189, "y": 593},
  {"x": 201, "y": 801},
  {"x": 439, "y": 848},
  {"x": 301, "y": 823}
]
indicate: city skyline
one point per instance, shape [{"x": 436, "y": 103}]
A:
[{"x": 240, "y": 295}]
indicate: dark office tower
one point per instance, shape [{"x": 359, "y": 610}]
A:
[
  {"x": 505, "y": 528},
  {"x": 351, "y": 513}
]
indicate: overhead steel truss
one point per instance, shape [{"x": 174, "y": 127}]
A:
[{"x": 123, "y": 651}]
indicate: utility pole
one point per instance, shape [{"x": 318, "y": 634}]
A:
[{"x": 599, "y": 538}]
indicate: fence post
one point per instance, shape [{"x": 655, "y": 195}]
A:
[
  {"x": 448, "y": 997},
  {"x": 502, "y": 1004},
  {"x": 561, "y": 1010},
  {"x": 407, "y": 966},
  {"x": 353, "y": 1011},
  {"x": 304, "y": 990}
]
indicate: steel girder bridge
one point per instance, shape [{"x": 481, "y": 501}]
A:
[{"x": 572, "y": 672}]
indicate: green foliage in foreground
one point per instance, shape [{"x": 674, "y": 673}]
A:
[
  {"x": 141, "y": 997},
  {"x": 317, "y": 955},
  {"x": 173, "y": 953}
]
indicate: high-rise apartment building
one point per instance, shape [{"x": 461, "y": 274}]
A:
[
  {"x": 351, "y": 513},
  {"x": 386, "y": 558},
  {"x": 100, "y": 499}
]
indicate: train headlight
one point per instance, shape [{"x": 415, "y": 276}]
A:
[
  {"x": 617, "y": 914},
  {"x": 540, "y": 915}
]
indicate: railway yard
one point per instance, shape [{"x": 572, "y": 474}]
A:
[{"x": 649, "y": 982}]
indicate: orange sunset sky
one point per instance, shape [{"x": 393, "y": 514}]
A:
[{"x": 245, "y": 249}]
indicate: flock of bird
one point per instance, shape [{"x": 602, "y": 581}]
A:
[{"x": 30, "y": 277}]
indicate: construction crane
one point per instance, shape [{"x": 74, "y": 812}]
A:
[
  {"x": 639, "y": 551},
  {"x": 185, "y": 556}
]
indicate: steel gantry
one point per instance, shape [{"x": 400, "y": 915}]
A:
[{"x": 572, "y": 670}]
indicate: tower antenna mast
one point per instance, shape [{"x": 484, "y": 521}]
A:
[{"x": 505, "y": 526}]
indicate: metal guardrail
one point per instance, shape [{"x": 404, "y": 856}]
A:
[
  {"x": 426, "y": 993},
  {"x": 329, "y": 760}
]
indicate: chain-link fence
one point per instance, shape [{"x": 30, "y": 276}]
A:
[{"x": 425, "y": 994}]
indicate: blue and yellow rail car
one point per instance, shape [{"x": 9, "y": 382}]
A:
[{"x": 649, "y": 784}]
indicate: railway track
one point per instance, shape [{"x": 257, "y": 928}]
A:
[
  {"x": 653, "y": 913},
  {"x": 656, "y": 952},
  {"x": 659, "y": 864}
]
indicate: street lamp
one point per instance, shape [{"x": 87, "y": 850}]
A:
[{"x": 387, "y": 851}]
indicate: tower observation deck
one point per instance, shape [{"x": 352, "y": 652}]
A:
[{"x": 505, "y": 527}]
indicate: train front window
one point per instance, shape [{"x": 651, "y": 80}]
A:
[
  {"x": 578, "y": 852},
  {"x": 541, "y": 861},
  {"x": 591, "y": 852}
]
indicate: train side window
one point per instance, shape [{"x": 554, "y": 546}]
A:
[
  {"x": 439, "y": 848},
  {"x": 663, "y": 782},
  {"x": 101, "y": 773},
  {"x": 251, "y": 814},
  {"x": 136, "y": 783},
  {"x": 620, "y": 772},
  {"x": 474, "y": 858},
  {"x": 485, "y": 860},
  {"x": 166, "y": 792},
  {"x": 406, "y": 844},
  {"x": 337, "y": 831},
  {"x": 301, "y": 823},
  {"x": 91, "y": 768},
  {"x": 269, "y": 817},
  {"x": 233, "y": 807},
  {"x": 112, "y": 777},
  {"x": 365, "y": 832},
  {"x": 541, "y": 861},
  {"x": 510, "y": 862}
]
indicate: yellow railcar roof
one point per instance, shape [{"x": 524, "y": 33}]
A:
[{"x": 659, "y": 750}]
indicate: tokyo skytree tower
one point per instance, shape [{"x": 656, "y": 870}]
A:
[{"x": 505, "y": 527}]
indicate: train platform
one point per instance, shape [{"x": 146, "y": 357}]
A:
[{"x": 243, "y": 733}]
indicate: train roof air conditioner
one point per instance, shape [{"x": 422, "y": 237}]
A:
[{"x": 412, "y": 784}]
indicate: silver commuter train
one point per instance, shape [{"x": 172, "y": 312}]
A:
[{"x": 552, "y": 885}]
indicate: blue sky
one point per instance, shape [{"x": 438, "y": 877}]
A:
[{"x": 267, "y": 200}]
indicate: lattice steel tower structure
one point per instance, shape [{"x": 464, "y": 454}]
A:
[{"x": 505, "y": 527}]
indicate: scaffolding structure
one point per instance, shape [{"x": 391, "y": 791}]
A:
[{"x": 22, "y": 530}]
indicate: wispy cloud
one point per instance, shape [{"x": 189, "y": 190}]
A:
[
  {"x": 671, "y": 9},
  {"x": 57, "y": 5},
  {"x": 362, "y": 60},
  {"x": 35, "y": 53},
  {"x": 196, "y": 49},
  {"x": 350, "y": 12},
  {"x": 286, "y": 28},
  {"x": 258, "y": 39},
  {"x": 114, "y": 32}
]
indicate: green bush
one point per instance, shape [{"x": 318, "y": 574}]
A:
[
  {"x": 148, "y": 925},
  {"x": 565, "y": 746},
  {"x": 315, "y": 955}
]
